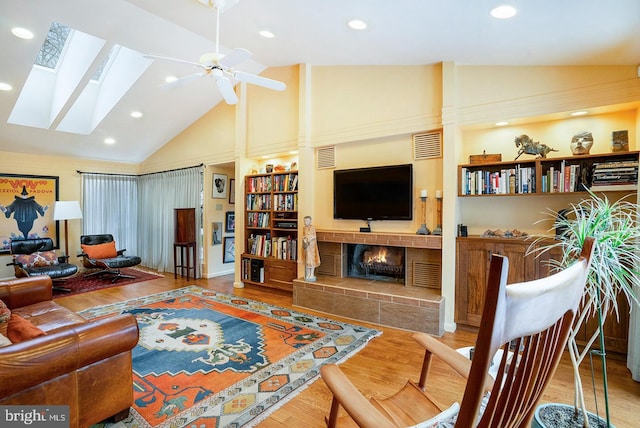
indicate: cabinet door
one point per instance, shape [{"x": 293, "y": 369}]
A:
[
  {"x": 471, "y": 279},
  {"x": 280, "y": 273},
  {"x": 522, "y": 267}
]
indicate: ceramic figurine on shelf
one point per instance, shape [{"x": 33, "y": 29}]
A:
[
  {"x": 311, "y": 257},
  {"x": 581, "y": 143},
  {"x": 526, "y": 145}
]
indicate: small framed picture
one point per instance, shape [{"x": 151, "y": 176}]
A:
[
  {"x": 230, "y": 222},
  {"x": 220, "y": 185},
  {"x": 229, "y": 253},
  {"x": 216, "y": 233},
  {"x": 232, "y": 191}
]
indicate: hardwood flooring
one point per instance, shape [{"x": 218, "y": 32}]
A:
[{"x": 384, "y": 365}]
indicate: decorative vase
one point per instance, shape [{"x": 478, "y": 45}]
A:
[{"x": 557, "y": 415}]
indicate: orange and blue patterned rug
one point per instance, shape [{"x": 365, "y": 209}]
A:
[{"x": 210, "y": 359}]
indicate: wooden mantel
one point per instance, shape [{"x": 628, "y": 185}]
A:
[{"x": 392, "y": 239}]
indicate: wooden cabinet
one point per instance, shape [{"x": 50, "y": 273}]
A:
[
  {"x": 472, "y": 267},
  {"x": 546, "y": 176},
  {"x": 271, "y": 229},
  {"x": 473, "y": 258}
]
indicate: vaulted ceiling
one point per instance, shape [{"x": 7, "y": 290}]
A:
[{"x": 399, "y": 32}]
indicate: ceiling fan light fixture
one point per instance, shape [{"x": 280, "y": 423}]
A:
[{"x": 504, "y": 11}]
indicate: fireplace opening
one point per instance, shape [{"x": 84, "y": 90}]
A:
[{"x": 376, "y": 262}]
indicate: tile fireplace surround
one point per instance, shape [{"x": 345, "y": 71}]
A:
[{"x": 416, "y": 305}]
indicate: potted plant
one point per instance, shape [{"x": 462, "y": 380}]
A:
[{"x": 613, "y": 272}]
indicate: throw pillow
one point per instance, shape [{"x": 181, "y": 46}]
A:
[
  {"x": 100, "y": 251},
  {"x": 4, "y": 312},
  {"x": 20, "y": 329},
  {"x": 37, "y": 259},
  {"x": 4, "y": 341}
]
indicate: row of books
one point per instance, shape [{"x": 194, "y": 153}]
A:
[
  {"x": 285, "y": 183},
  {"x": 505, "y": 181},
  {"x": 281, "y": 247},
  {"x": 252, "y": 270},
  {"x": 259, "y": 184},
  {"x": 562, "y": 179},
  {"x": 257, "y": 219},
  {"x": 258, "y": 202},
  {"x": 617, "y": 175},
  {"x": 285, "y": 202}
]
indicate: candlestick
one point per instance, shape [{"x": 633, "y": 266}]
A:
[
  {"x": 438, "y": 194},
  {"x": 423, "y": 193},
  {"x": 423, "y": 227},
  {"x": 438, "y": 229}
]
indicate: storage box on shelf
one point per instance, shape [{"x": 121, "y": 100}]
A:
[
  {"x": 604, "y": 172},
  {"x": 271, "y": 229}
]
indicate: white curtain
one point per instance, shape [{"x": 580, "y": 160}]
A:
[
  {"x": 110, "y": 205},
  {"x": 158, "y": 195}
]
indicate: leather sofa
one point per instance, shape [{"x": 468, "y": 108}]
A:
[{"x": 85, "y": 364}]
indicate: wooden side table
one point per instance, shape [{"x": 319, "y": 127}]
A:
[{"x": 187, "y": 262}]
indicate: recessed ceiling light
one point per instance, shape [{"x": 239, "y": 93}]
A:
[
  {"x": 5, "y": 86},
  {"x": 357, "y": 24},
  {"x": 170, "y": 79},
  {"x": 136, "y": 114},
  {"x": 22, "y": 33},
  {"x": 267, "y": 34},
  {"x": 502, "y": 123},
  {"x": 503, "y": 12},
  {"x": 109, "y": 140},
  {"x": 578, "y": 113}
]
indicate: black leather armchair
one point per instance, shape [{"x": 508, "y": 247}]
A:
[
  {"x": 35, "y": 257},
  {"x": 99, "y": 252}
]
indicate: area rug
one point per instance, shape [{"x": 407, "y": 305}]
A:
[
  {"x": 78, "y": 284},
  {"x": 209, "y": 359}
]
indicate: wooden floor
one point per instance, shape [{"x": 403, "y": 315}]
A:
[{"x": 385, "y": 364}]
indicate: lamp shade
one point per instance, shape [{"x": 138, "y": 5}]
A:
[{"x": 66, "y": 210}]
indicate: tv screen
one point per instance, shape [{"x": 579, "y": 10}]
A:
[{"x": 377, "y": 193}]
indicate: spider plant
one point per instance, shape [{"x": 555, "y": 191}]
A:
[{"x": 614, "y": 268}]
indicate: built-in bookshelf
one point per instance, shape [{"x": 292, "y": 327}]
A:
[
  {"x": 271, "y": 229},
  {"x": 616, "y": 171}
]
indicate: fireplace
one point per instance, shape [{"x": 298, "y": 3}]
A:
[{"x": 375, "y": 262}]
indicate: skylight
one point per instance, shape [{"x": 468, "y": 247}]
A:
[{"x": 68, "y": 59}]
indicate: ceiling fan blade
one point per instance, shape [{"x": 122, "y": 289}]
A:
[
  {"x": 260, "y": 81},
  {"x": 165, "y": 58},
  {"x": 226, "y": 89},
  {"x": 183, "y": 80},
  {"x": 235, "y": 57}
]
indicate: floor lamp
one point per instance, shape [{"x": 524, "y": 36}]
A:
[{"x": 66, "y": 210}]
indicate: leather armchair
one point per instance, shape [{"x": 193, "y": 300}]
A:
[
  {"x": 85, "y": 364},
  {"x": 46, "y": 263},
  {"x": 108, "y": 264}
]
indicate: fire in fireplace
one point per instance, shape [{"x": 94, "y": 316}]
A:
[{"x": 378, "y": 262}]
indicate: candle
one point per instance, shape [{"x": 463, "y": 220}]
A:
[
  {"x": 438, "y": 194},
  {"x": 423, "y": 193}
]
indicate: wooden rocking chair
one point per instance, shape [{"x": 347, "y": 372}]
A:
[{"x": 532, "y": 319}]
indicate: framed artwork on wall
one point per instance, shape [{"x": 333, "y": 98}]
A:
[
  {"x": 229, "y": 253},
  {"x": 26, "y": 208},
  {"x": 216, "y": 233},
  {"x": 230, "y": 222},
  {"x": 219, "y": 189},
  {"x": 232, "y": 191}
]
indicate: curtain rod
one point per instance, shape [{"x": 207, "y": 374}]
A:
[{"x": 139, "y": 175}]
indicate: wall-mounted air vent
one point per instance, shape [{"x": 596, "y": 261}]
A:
[
  {"x": 326, "y": 157},
  {"x": 427, "y": 145}
]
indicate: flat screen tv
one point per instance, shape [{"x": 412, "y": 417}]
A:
[{"x": 377, "y": 193}]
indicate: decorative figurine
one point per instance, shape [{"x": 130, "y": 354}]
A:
[
  {"x": 311, "y": 257},
  {"x": 620, "y": 141},
  {"x": 530, "y": 147},
  {"x": 581, "y": 143}
]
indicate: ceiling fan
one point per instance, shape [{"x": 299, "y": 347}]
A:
[{"x": 221, "y": 66}]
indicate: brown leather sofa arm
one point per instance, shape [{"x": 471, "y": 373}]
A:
[
  {"x": 60, "y": 352},
  {"x": 26, "y": 291}
]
